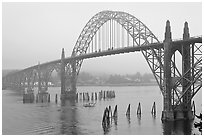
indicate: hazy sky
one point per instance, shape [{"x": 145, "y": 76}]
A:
[{"x": 35, "y": 32}]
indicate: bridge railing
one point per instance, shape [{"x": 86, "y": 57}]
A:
[{"x": 179, "y": 39}]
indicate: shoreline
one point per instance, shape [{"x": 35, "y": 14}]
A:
[{"x": 117, "y": 85}]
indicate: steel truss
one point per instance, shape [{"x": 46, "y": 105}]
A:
[
  {"x": 194, "y": 80},
  {"x": 140, "y": 34}
]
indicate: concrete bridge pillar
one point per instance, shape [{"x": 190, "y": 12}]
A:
[
  {"x": 182, "y": 110},
  {"x": 186, "y": 61},
  {"x": 73, "y": 78},
  {"x": 62, "y": 73},
  {"x": 28, "y": 82},
  {"x": 65, "y": 92},
  {"x": 167, "y": 113},
  {"x": 46, "y": 84},
  {"x": 39, "y": 78}
]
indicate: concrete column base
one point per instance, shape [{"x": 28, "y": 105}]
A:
[
  {"x": 28, "y": 98},
  {"x": 167, "y": 116},
  {"x": 190, "y": 115},
  {"x": 179, "y": 115},
  {"x": 68, "y": 95},
  {"x": 42, "y": 97}
]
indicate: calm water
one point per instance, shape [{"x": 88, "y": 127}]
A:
[{"x": 73, "y": 118}]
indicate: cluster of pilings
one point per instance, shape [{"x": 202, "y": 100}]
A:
[
  {"x": 106, "y": 94},
  {"x": 42, "y": 97},
  {"x": 28, "y": 98},
  {"x": 139, "y": 110},
  {"x": 38, "y": 98},
  {"x": 199, "y": 124},
  {"x": 108, "y": 116},
  {"x": 86, "y": 96}
]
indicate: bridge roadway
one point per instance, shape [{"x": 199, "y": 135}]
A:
[{"x": 117, "y": 51}]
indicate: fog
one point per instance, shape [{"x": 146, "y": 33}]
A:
[{"x": 33, "y": 32}]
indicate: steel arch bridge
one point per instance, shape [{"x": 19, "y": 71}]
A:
[{"x": 115, "y": 32}]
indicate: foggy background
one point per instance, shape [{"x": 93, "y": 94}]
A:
[{"x": 37, "y": 32}]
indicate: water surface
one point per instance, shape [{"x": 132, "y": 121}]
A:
[{"x": 73, "y": 118}]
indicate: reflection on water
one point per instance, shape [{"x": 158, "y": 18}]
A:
[
  {"x": 68, "y": 117},
  {"x": 72, "y": 118},
  {"x": 115, "y": 119},
  {"x": 180, "y": 127},
  {"x": 139, "y": 119},
  {"x": 106, "y": 129},
  {"x": 128, "y": 119}
]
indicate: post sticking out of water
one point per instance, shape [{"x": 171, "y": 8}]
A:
[
  {"x": 139, "y": 109},
  {"x": 128, "y": 110},
  {"x": 106, "y": 120},
  {"x": 37, "y": 98},
  {"x": 80, "y": 96},
  {"x": 110, "y": 112},
  {"x": 88, "y": 96},
  {"x": 115, "y": 114},
  {"x": 92, "y": 96},
  {"x": 95, "y": 96},
  {"x": 76, "y": 96},
  {"x": 153, "y": 109},
  {"x": 99, "y": 95},
  {"x": 83, "y": 96},
  {"x": 107, "y": 116},
  {"x": 56, "y": 98},
  {"x": 49, "y": 98},
  {"x": 193, "y": 106}
]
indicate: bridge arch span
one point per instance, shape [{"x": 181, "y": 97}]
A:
[
  {"x": 123, "y": 18},
  {"x": 139, "y": 32}
]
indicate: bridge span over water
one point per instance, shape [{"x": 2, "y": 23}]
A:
[{"x": 115, "y": 32}]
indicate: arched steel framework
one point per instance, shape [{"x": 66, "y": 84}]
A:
[{"x": 139, "y": 32}]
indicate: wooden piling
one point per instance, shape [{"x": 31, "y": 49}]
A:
[
  {"x": 83, "y": 96},
  {"x": 36, "y": 98},
  {"x": 92, "y": 96},
  {"x": 104, "y": 94},
  {"x": 80, "y": 96},
  {"x": 110, "y": 112},
  {"x": 139, "y": 109},
  {"x": 153, "y": 109},
  {"x": 95, "y": 96},
  {"x": 104, "y": 118},
  {"x": 49, "y": 98},
  {"x": 193, "y": 106},
  {"x": 115, "y": 111},
  {"x": 100, "y": 95},
  {"x": 107, "y": 116},
  {"x": 128, "y": 110},
  {"x": 76, "y": 96},
  {"x": 87, "y": 96},
  {"x": 56, "y": 98}
]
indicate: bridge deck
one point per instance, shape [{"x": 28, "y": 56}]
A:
[{"x": 117, "y": 51}]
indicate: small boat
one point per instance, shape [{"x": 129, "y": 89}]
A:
[{"x": 89, "y": 105}]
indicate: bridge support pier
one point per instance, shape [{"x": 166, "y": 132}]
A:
[
  {"x": 62, "y": 75},
  {"x": 65, "y": 92},
  {"x": 183, "y": 108},
  {"x": 73, "y": 77}
]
